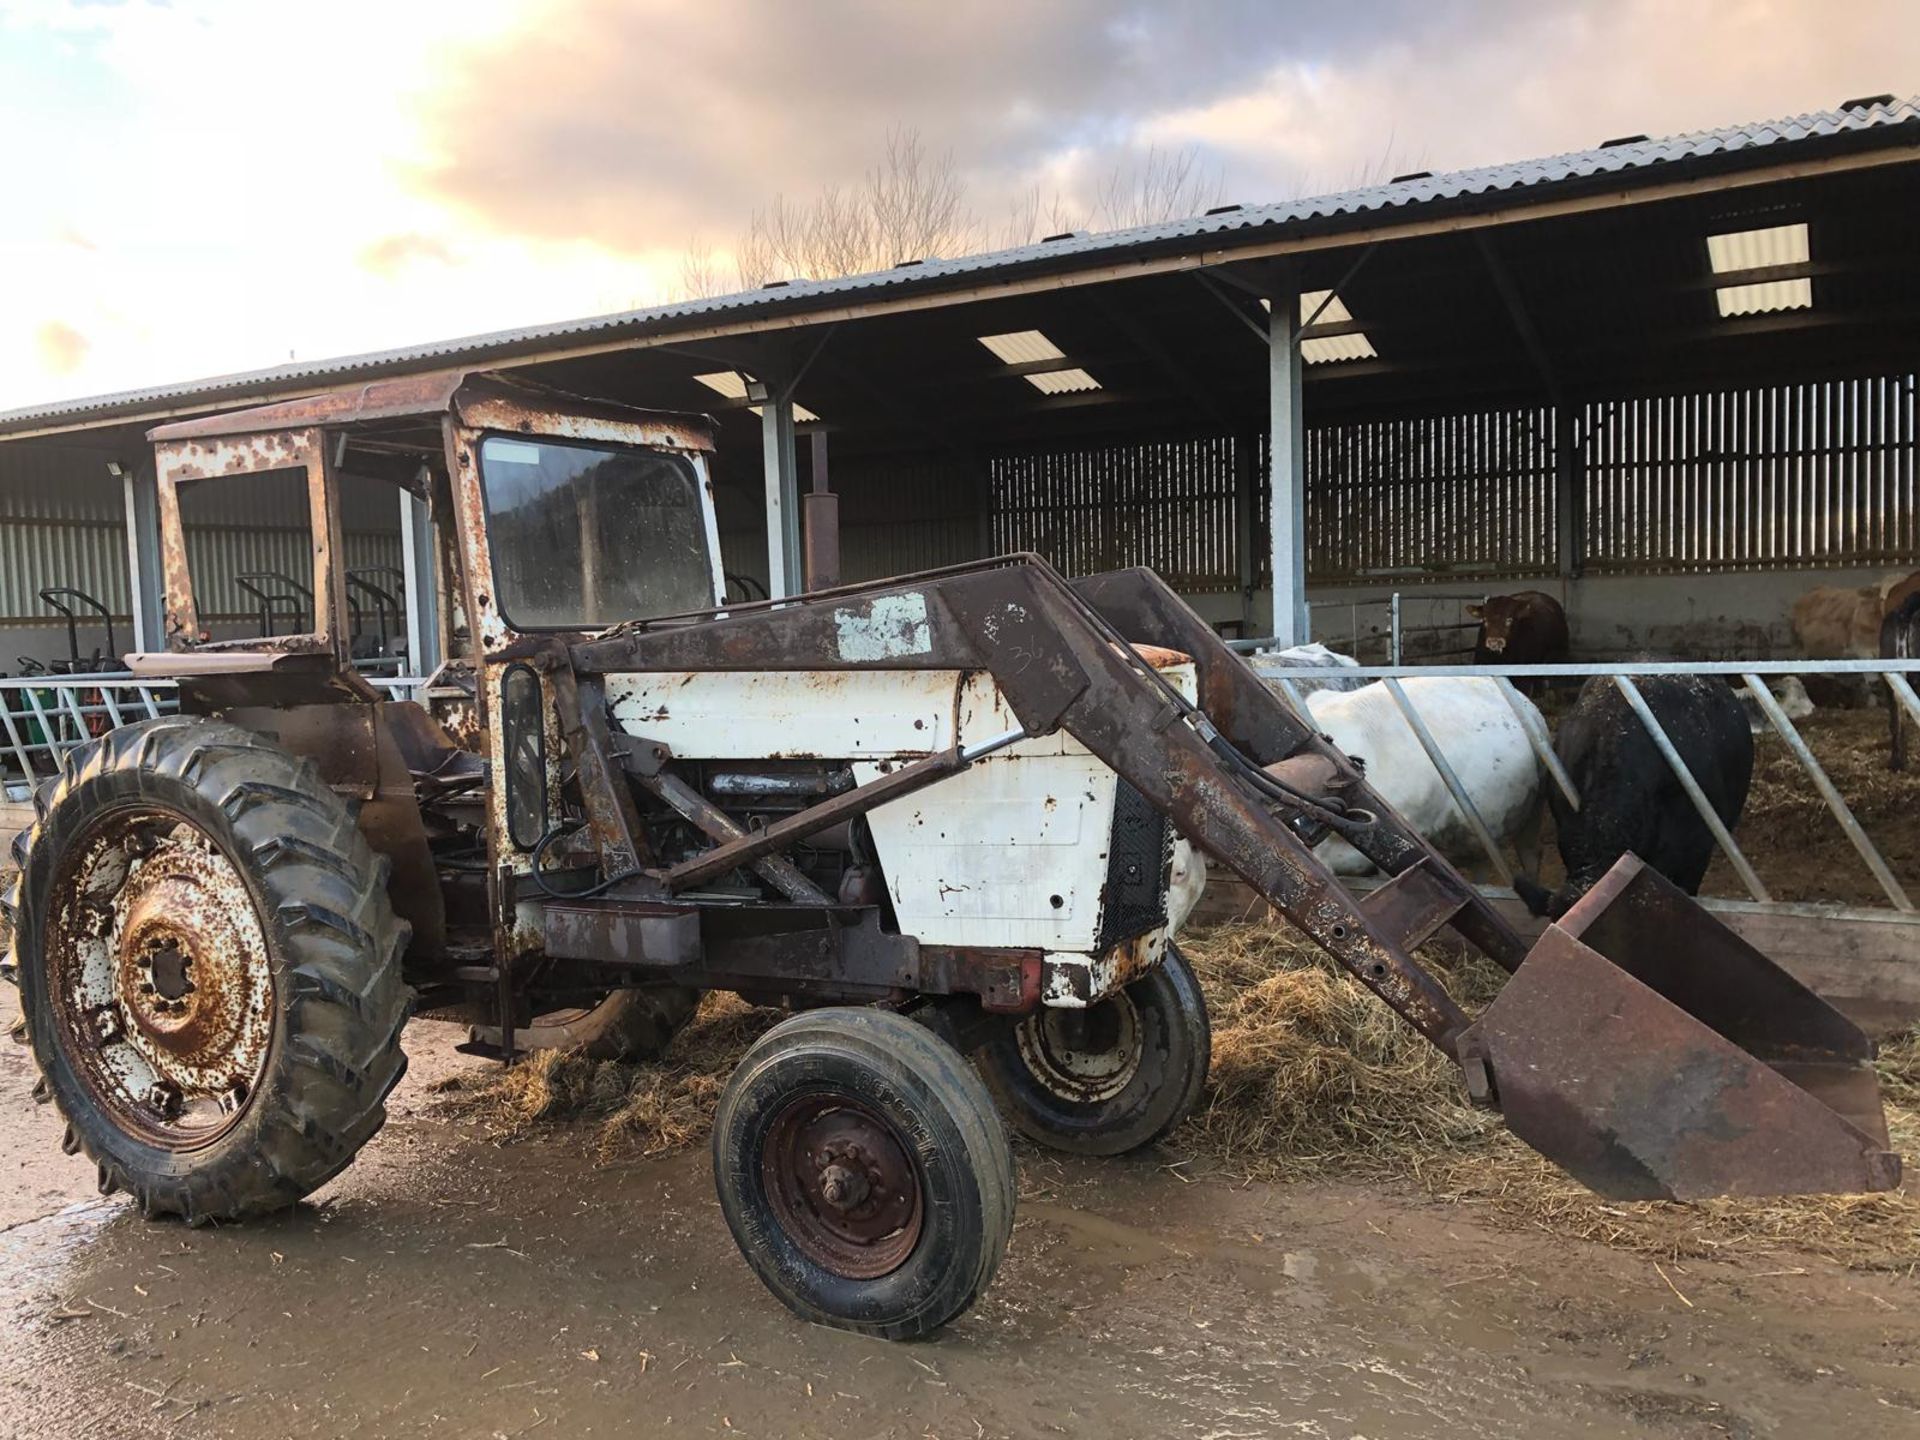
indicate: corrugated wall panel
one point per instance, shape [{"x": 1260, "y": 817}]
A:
[
  {"x": 61, "y": 523},
  {"x": 1168, "y": 504},
  {"x": 897, "y": 515},
  {"x": 1816, "y": 475},
  {"x": 1439, "y": 496}
]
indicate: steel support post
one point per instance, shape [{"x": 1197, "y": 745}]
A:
[
  {"x": 780, "y": 462},
  {"x": 423, "y": 599},
  {"x": 1569, "y": 492},
  {"x": 1287, "y": 467},
  {"x": 143, "y": 557},
  {"x": 1244, "y": 449}
]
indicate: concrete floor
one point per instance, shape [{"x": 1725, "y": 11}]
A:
[{"x": 447, "y": 1285}]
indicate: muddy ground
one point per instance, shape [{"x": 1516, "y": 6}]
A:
[{"x": 451, "y": 1285}]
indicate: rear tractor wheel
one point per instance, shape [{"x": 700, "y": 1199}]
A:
[
  {"x": 864, "y": 1172},
  {"x": 1112, "y": 1078},
  {"x": 209, "y": 968}
]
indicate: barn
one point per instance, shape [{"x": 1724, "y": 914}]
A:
[{"x": 1668, "y": 380}]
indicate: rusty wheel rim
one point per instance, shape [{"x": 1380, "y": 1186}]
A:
[
  {"x": 1086, "y": 1055},
  {"x": 843, "y": 1185},
  {"x": 159, "y": 976}
]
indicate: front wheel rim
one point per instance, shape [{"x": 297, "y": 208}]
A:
[
  {"x": 159, "y": 976},
  {"x": 843, "y": 1185}
]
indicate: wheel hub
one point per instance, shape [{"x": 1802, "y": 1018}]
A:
[
  {"x": 1083, "y": 1055},
  {"x": 162, "y": 974},
  {"x": 843, "y": 1186}
]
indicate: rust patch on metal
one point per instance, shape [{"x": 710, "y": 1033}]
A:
[{"x": 158, "y": 969}]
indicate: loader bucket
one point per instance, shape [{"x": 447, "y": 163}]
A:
[{"x": 1655, "y": 1055}]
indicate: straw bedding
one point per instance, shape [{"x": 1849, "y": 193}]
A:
[{"x": 1313, "y": 1078}]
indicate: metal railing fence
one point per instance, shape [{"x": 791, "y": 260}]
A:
[
  {"x": 1897, "y": 675},
  {"x": 44, "y": 718}
]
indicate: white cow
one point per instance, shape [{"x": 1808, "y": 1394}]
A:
[
  {"x": 1482, "y": 740},
  {"x": 1792, "y": 696},
  {"x": 1312, "y": 656}
]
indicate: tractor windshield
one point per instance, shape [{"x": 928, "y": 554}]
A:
[{"x": 585, "y": 536}]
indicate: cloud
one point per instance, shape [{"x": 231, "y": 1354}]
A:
[
  {"x": 390, "y": 254},
  {"x": 638, "y": 121},
  {"x": 511, "y": 161},
  {"x": 61, "y": 348},
  {"x": 1548, "y": 80}
]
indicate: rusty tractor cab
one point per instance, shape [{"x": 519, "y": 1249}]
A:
[{"x": 950, "y": 817}]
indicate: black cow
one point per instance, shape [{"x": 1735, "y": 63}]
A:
[{"x": 1630, "y": 799}]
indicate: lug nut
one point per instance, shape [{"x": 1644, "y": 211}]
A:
[{"x": 164, "y": 1098}]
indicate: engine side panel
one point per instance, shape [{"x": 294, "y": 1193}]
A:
[
  {"x": 1011, "y": 852},
  {"x": 789, "y": 714}
]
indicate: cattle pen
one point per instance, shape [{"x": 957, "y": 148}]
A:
[{"x": 1859, "y": 951}]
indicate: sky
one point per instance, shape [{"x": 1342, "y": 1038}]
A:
[{"x": 197, "y": 187}]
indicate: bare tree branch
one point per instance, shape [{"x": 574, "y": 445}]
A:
[{"x": 913, "y": 204}]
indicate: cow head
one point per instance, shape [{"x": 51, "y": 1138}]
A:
[{"x": 1496, "y": 617}]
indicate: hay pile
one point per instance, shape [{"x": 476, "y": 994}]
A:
[
  {"x": 645, "y": 1109},
  {"x": 1792, "y": 838},
  {"x": 1314, "y": 1077}
]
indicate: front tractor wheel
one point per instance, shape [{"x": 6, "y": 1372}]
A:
[
  {"x": 864, "y": 1172},
  {"x": 1112, "y": 1078},
  {"x": 209, "y": 968}
]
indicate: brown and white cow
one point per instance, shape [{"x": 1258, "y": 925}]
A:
[
  {"x": 1838, "y": 622},
  {"x": 1842, "y": 622}
]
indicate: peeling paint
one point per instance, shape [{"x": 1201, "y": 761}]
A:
[{"x": 887, "y": 627}]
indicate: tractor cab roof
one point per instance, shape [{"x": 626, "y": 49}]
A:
[{"x": 478, "y": 399}]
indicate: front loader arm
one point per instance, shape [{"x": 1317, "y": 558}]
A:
[{"x": 1060, "y": 667}]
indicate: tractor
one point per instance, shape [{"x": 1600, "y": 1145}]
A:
[{"x": 951, "y": 822}]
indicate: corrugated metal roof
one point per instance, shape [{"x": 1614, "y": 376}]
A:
[{"x": 1892, "y": 123}]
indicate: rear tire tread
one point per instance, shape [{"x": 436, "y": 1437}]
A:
[{"x": 322, "y": 897}]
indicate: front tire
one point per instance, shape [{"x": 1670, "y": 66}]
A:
[
  {"x": 864, "y": 1172},
  {"x": 209, "y": 968},
  {"x": 1113, "y": 1078}
]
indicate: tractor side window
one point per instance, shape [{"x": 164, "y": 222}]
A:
[
  {"x": 583, "y": 537},
  {"x": 249, "y": 545}
]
